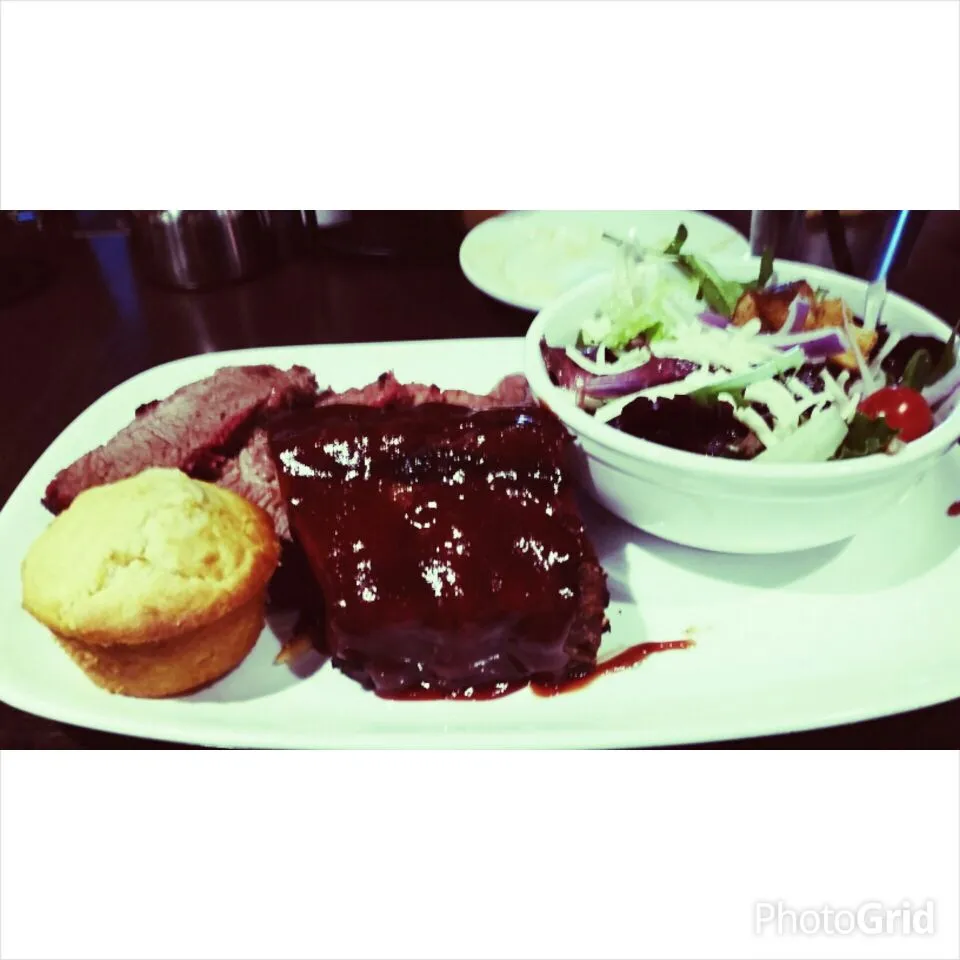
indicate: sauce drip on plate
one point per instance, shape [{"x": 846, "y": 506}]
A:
[{"x": 624, "y": 660}]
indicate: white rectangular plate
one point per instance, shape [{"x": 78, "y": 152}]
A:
[{"x": 838, "y": 634}]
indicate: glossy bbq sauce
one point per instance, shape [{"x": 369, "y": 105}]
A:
[
  {"x": 622, "y": 661},
  {"x": 954, "y": 509},
  {"x": 422, "y": 592},
  {"x": 493, "y": 692}
]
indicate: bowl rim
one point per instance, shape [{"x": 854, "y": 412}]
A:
[{"x": 603, "y": 435}]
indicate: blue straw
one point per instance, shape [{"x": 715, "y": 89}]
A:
[{"x": 893, "y": 243}]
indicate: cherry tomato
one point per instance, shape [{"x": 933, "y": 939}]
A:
[{"x": 902, "y": 408}]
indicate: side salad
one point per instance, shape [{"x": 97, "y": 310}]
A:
[{"x": 767, "y": 371}]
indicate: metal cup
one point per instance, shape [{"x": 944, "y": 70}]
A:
[{"x": 198, "y": 249}]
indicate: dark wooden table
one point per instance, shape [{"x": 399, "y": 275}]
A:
[{"x": 97, "y": 322}]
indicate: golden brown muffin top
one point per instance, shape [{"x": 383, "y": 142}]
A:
[{"x": 145, "y": 558}]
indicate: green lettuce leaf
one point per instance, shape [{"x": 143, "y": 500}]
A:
[
  {"x": 921, "y": 371},
  {"x": 865, "y": 436},
  {"x": 720, "y": 295},
  {"x": 710, "y": 395},
  {"x": 630, "y": 324},
  {"x": 766, "y": 269},
  {"x": 918, "y": 370},
  {"x": 678, "y": 241}
]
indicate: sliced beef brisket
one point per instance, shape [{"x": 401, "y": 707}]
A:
[
  {"x": 251, "y": 474},
  {"x": 193, "y": 429},
  {"x": 214, "y": 430},
  {"x": 387, "y": 391}
]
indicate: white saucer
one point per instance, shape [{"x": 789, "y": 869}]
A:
[{"x": 528, "y": 258}]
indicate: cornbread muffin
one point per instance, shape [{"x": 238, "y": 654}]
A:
[{"x": 156, "y": 584}]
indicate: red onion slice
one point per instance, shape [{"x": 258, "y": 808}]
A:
[
  {"x": 717, "y": 320},
  {"x": 568, "y": 376},
  {"x": 562, "y": 370},
  {"x": 816, "y": 344},
  {"x": 655, "y": 372},
  {"x": 797, "y": 316},
  {"x": 825, "y": 348}
]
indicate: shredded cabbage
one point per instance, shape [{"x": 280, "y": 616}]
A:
[
  {"x": 654, "y": 308},
  {"x": 815, "y": 441},
  {"x": 648, "y": 300}
]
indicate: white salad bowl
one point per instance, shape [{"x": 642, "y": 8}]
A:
[{"x": 725, "y": 505}]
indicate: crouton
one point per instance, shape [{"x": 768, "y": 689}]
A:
[
  {"x": 746, "y": 309},
  {"x": 829, "y": 313},
  {"x": 771, "y": 306}
]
